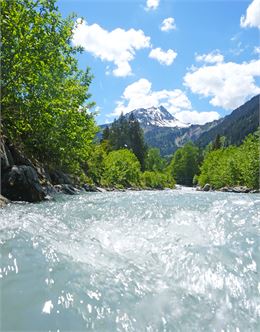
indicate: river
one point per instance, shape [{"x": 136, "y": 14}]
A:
[{"x": 176, "y": 260}]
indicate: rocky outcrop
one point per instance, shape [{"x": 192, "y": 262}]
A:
[
  {"x": 3, "y": 201},
  {"x": 21, "y": 183},
  {"x": 207, "y": 187},
  {"x": 25, "y": 180},
  {"x": 237, "y": 189},
  {"x": 59, "y": 177},
  {"x": 6, "y": 157},
  {"x": 66, "y": 189}
]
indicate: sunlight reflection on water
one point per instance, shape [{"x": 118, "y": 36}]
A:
[{"x": 134, "y": 261}]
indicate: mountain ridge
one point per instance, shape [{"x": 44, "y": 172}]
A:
[
  {"x": 156, "y": 117},
  {"x": 164, "y": 131}
]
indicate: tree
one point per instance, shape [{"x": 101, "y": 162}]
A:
[
  {"x": 154, "y": 161},
  {"x": 105, "y": 134},
  {"x": 216, "y": 143},
  {"x": 233, "y": 165},
  {"x": 185, "y": 164},
  {"x": 44, "y": 94},
  {"x": 136, "y": 140},
  {"x": 127, "y": 133},
  {"x": 157, "y": 180},
  {"x": 121, "y": 169}
]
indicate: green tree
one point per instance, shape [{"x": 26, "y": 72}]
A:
[
  {"x": 216, "y": 143},
  {"x": 127, "y": 133},
  {"x": 95, "y": 165},
  {"x": 44, "y": 93},
  {"x": 157, "y": 180},
  {"x": 233, "y": 165},
  {"x": 121, "y": 169},
  {"x": 154, "y": 161},
  {"x": 185, "y": 164},
  {"x": 136, "y": 140},
  {"x": 105, "y": 134}
]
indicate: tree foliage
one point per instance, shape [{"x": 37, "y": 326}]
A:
[
  {"x": 121, "y": 169},
  {"x": 43, "y": 91},
  {"x": 185, "y": 164},
  {"x": 157, "y": 180},
  {"x": 126, "y": 133},
  {"x": 154, "y": 161},
  {"x": 232, "y": 166}
]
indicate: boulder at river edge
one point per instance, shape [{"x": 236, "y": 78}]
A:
[
  {"x": 21, "y": 183},
  {"x": 207, "y": 187},
  {"x": 3, "y": 201}
]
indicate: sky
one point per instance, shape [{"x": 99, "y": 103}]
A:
[{"x": 199, "y": 59}]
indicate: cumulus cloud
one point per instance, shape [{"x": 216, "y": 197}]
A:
[
  {"x": 195, "y": 117},
  {"x": 164, "y": 58},
  {"x": 117, "y": 46},
  {"x": 152, "y": 4},
  {"x": 257, "y": 50},
  {"x": 140, "y": 94},
  {"x": 212, "y": 57},
  {"x": 168, "y": 24},
  {"x": 252, "y": 17},
  {"x": 227, "y": 84}
]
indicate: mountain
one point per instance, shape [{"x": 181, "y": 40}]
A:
[
  {"x": 168, "y": 140},
  {"x": 164, "y": 131},
  {"x": 235, "y": 126},
  {"x": 156, "y": 117}
]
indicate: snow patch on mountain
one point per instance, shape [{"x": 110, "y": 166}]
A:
[{"x": 157, "y": 117}]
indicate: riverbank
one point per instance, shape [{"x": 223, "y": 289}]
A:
[{"x": 229, "y": 189}]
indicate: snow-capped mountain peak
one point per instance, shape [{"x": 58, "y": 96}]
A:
[{"x": 157, "y": 117}]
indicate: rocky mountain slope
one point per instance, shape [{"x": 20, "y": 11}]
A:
[
  {"x": 235, "y": 126},
  {"x": 164, "y": 131},
  {"x": 157, "y": 117}
]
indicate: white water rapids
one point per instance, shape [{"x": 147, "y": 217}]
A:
[{"x": 176, "y": 260}]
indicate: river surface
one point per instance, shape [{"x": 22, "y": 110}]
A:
[{"x": 176, "y": 260}]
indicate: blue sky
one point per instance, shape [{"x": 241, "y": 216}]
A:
[{"x": 200, "y": 59}]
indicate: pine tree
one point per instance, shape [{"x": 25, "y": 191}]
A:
[
  {"x": 217, "y": 143},
  {"x": 105, "y": 134},
  {"x": 137, "y": 142}
]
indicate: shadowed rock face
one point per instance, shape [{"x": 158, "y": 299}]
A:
[{"x": 21, "y": 183}]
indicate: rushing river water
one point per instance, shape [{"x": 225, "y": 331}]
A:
[{"x": 132, "y": 261}]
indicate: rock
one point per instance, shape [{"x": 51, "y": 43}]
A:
[
  {"x": 3, "y": 201},
  {"x": 43, "y": 174},
  {"x": 19, "y": 158},
  {"x": 207, "y": 187},
  {"x": 101, "y": 190},
  {"x": 66, "y": 189},
  {"x": 225, "y": 189},
  {"x": 90, "y": 188},
  {"x": 6, "y": 157},
  {"x": 21, "y": 183},
  {"x": 237, "y": 189},
  {"x": 49, "y": 190},
  {"x": 58, "y": 177},
  {"x": 241, "y": 189}
]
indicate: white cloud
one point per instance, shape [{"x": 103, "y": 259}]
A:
[
  {"x": 165, "y": 58},
  {"x": 168, "y": 24},
  {"x": 140, "y": 94},
  {"x": 227, "y": 84},
  {"x": 212, "y": 57},
  {"x": 257, "y": 50},
  {"x": 118, "y": 46},
  {"x": 152, "y": 4},
  {"x": 252, "y": 17},
  {"x": 197, "y": 117}
]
